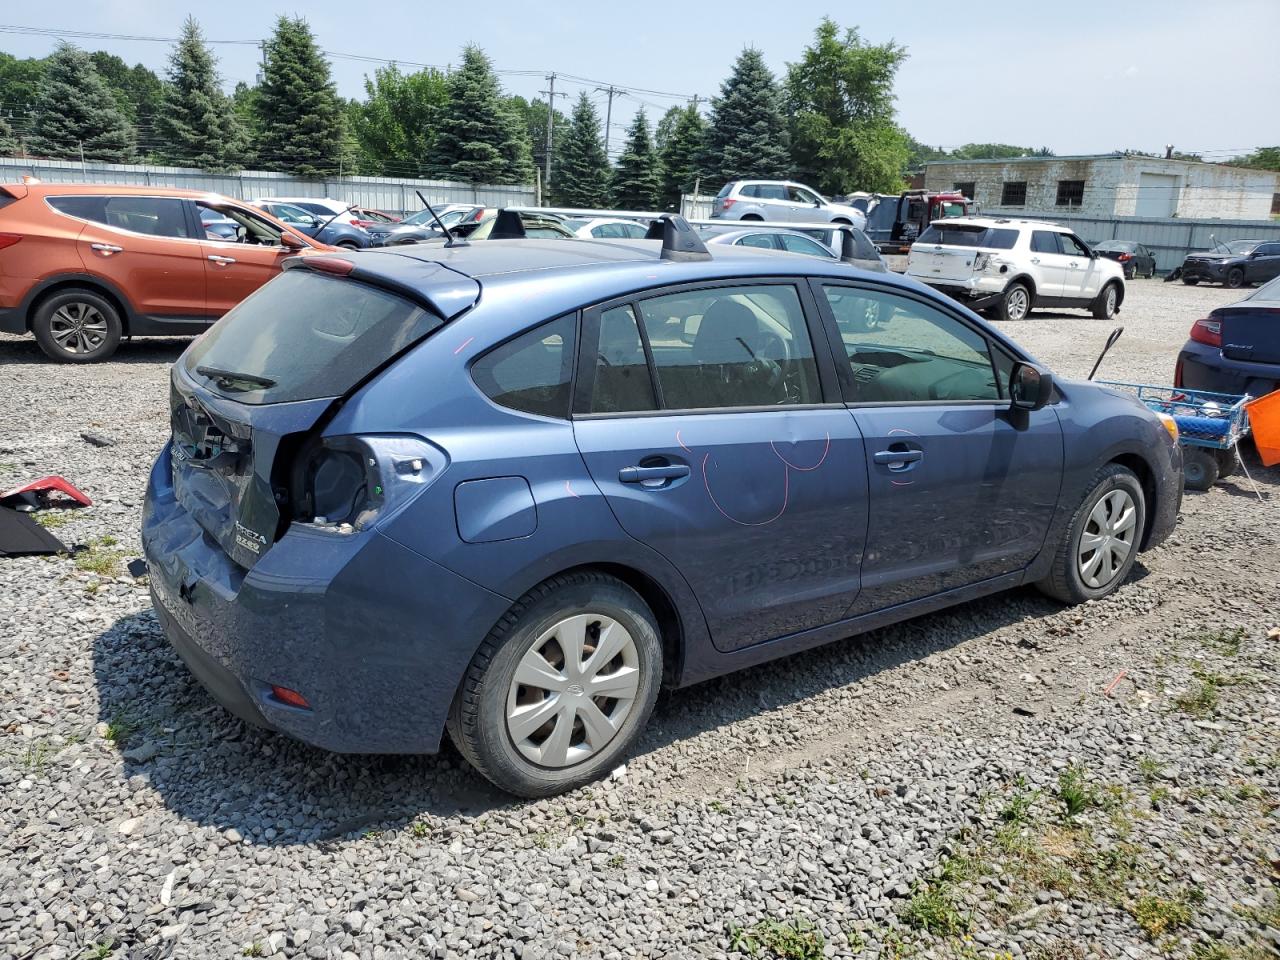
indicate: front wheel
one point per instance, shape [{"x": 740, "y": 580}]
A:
[
  {"x": 1105, "y": 304},
  {"x": 561, "y": 687},
  {"x": 1190, "y": 281},
  {"x": 1101, "y": 543},
  {"x": 347, "y": 245},
  {"x": 1235, "y": 278},
  {"x": 1016, "y": 303}
]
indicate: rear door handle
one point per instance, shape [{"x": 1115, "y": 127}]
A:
[
  {"x": 222, "y": 260},
  {"x": 1035, "y": 259},
  {"x": 672, "y": 471},
  {"x": 106, "y": 248},
  {"x": 894, "y": 457}
]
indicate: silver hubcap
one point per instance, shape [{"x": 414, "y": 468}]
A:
[
  {"x": 1107, "y": 539},
  {"x": 573, "y": 689},
  {"x": 1017, "y": 304},
  {"x": 1111, "y": 300},
  {"x": 78, "y": 327}
]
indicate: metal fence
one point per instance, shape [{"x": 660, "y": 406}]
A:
[{"x": 381, "y": 193}]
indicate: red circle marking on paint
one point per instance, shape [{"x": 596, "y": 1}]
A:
[
  {"x": 786, "y": 494},
  {"x": 821, "y": 460}
]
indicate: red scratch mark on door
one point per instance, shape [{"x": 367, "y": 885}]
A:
[
  {"x": 569, "y": 490},
  {"x": 681, "y": 442}
]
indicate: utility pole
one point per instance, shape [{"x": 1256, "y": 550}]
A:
[
  {"x": 608, "y": 114},
  {"x": 551, "y": 123}
]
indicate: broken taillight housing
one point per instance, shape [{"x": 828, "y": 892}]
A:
[{"x": 347, "y": 483}]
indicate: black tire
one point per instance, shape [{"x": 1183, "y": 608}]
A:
[
  {"x": 1199, "y": 468},
  {"x": 1190, "y": 281},
  {"x": 753, "y": 216},
  {"x": 347, "y": 245},
  {"x": 1064, "y": 581},
  {"x": 478, "y": 716},
  {"x": 1235, "y": 278},
  {"x": 1228, "y": 461},
  {"x": 1016, "y": 303},
  {"x": 1107, "y": 302},
  {"x": 77, "y": 325}
]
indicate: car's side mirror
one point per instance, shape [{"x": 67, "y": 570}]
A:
[
  {"x": 290, "y": 242},
  {"x": 1030, "y": 386}
]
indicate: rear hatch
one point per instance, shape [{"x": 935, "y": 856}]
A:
[
  {"x": 247, "y": 394},
  {"x": 1251, "y": 328},
  {"x": 946, "y": 251}
]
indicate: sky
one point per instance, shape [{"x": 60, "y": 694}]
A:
[{"x": 1084, "y": 77}]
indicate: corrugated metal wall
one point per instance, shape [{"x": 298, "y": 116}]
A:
[
  {"x": 381, "y": 193},
  {"x": 1170, "y": 239}
]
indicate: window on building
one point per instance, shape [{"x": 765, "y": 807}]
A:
[
  {"x": 1014, "y": 193},
  {"x": 967, "y": 188},
  {"x": 1070, "y": 193}
]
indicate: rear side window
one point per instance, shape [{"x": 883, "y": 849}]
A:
[
  {"x": 798, "y": 244},
  {"x": 762, "y": 240},
  {"x": 1045, "y": 241},
  {"x": 969, "y": 235},
  {"x": 303, "y": 336},
  {"x": 152, "y": 216},
  {"x": 531, "y": 373}
]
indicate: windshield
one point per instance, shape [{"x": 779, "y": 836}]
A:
[
  {"x": 291, "y": 214},
  {"x": 969, "y": 235},
  {"x": 1241, "y": 246},
  {"x": 305, "y": 335}
]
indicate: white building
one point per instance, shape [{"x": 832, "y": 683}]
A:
[{"x": 1111, "y": 185}]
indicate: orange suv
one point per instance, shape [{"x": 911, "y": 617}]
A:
[{"x": 82, "y": 265}]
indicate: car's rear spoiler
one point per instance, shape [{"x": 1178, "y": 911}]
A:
[{"x": 15, "y": 190}]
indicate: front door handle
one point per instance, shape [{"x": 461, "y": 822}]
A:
[
  {"x": 221, "y": 260},
  {"x": 107, "y": 248},
  {"x": 670, "y": 471},
  {"x": 898, "y": 458}
]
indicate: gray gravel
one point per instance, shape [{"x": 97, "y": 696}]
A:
[{"x": 895, "y": 795}]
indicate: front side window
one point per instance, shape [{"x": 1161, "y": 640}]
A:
[
  {"x": 250, "y": 228},
  {"x": 1071, "y": 246},
  {"x": 736, "y": 346},
  {"x": 901, "y": 350},
  {"x": 801, "y": 195},
  {"x": 531, "y": 373}
]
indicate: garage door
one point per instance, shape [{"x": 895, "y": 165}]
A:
[{"x": 1157, "y": 195}]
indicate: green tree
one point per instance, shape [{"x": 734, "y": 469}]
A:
[
  {"x": 198, "y": 124},
  {"x": 74, "y": 108},
  {"x": 918, "y": 154},
  {"x": 666, "y": 124},
  {"x": 748, "y": 132},
  {"x": 581, "y": 173},
  {"x": 1264, "y": 158},
  {"x": 137, "y": 89},
  {"x": 681, "y": 153},
  {"x": 300, "y": 119},
  {"x": 637, "y": 180},
  {"x": 991, "y": 151},
  {"x": 534, "y": 114},
  {"x": 395, "y": 126},
  {"x": 8, "y": 142},
  {"x": 840, "y": 99},
  {"x": 19, "y": 83},
  {"x": 479, "y": 138}
]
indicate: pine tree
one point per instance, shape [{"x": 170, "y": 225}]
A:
[
  {"x": 682, "y": 155},
  {"x": 480, "y": 139},
  {"x": 197, "y": 125},
  {"x": 301, "y": 127},
  {"x": 8, "y": 142},
  {"x": 748, "y": 135},
  {"x": 580, "y": 176},
  {"x": 73, "y": 108},
  {"x": 636, "y": 180}
]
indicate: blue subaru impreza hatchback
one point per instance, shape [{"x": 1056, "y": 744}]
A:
[{"x": 511, "y": 489}]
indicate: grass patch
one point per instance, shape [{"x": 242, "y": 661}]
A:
[
  {"x": 37, "y": 755},
  {"x": 617, "y": 860},
  {"x": 794, "y": 940},
  {"x": 542, "y": 840},
  {"x": 1224, "y": 641},
  {"x": 99, "y": 949},
  {"x": 255, "y": 949},
  {"x": 50, "y": 520},
  {"x": 420, "y": 829},
  {"x": 1151, "y": 769},
  {"x": 1075, "y": 793},
  {"x": 1018, "y": 809},
  {"x": 933, "y": 909},
  {"x": 1158, "y": 916},
  {"x": 121, "y": 728},
  {"x": 1201, "y": 700},
  {"x": 99, "y": 557}
]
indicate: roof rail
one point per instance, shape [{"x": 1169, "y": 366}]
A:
[
  {"x": 679, "y": 241},
  {"x": 507, "y": 226}
]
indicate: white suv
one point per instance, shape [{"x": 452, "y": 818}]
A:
[
  {"x": 780, "y": 201},
  {"x": 1014, "y": 266}
]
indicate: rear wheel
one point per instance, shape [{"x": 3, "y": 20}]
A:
[
  {"x": 1015, "y": 304},
  {"x": 77, "y": 326},
  {"x": 1199, "y": 468},
  {"x": 1190, "y": 281},
  {"x": 561, "y": 687},
  {"x": 347, "y": 245},
  {"x": 1101, "y": 543},
  {"x": 1106, "y": 303},
  {"x": 753, "y": 216},
  {"x": 1228, "y": 461},
  {"x": 1235, "y": 278}
]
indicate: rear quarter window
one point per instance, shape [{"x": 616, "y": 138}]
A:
[{"x": 531, "y": 373}]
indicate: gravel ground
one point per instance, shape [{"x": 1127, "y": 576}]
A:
[{"x": 1006, "y": 779}]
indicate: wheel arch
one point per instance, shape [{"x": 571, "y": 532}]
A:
[
  {"x": 55, "y": 285},
  {"x": 1140, "y": 468},
  {"x": 1027, "y": 281}
]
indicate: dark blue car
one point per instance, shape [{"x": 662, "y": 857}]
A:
[
  {"x": 1236, "y": 349},
  {"x": 325, "y": 229},
  {"x": 511, "y": 489}
]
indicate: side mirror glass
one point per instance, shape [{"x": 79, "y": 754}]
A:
[{"x": 1030, "y": 386}]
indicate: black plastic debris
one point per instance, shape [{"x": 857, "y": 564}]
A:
[
  {"x": 20, "y": 536},
  {"x": 137, "y": 567},
  {"x": 97, "y": 439}
]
